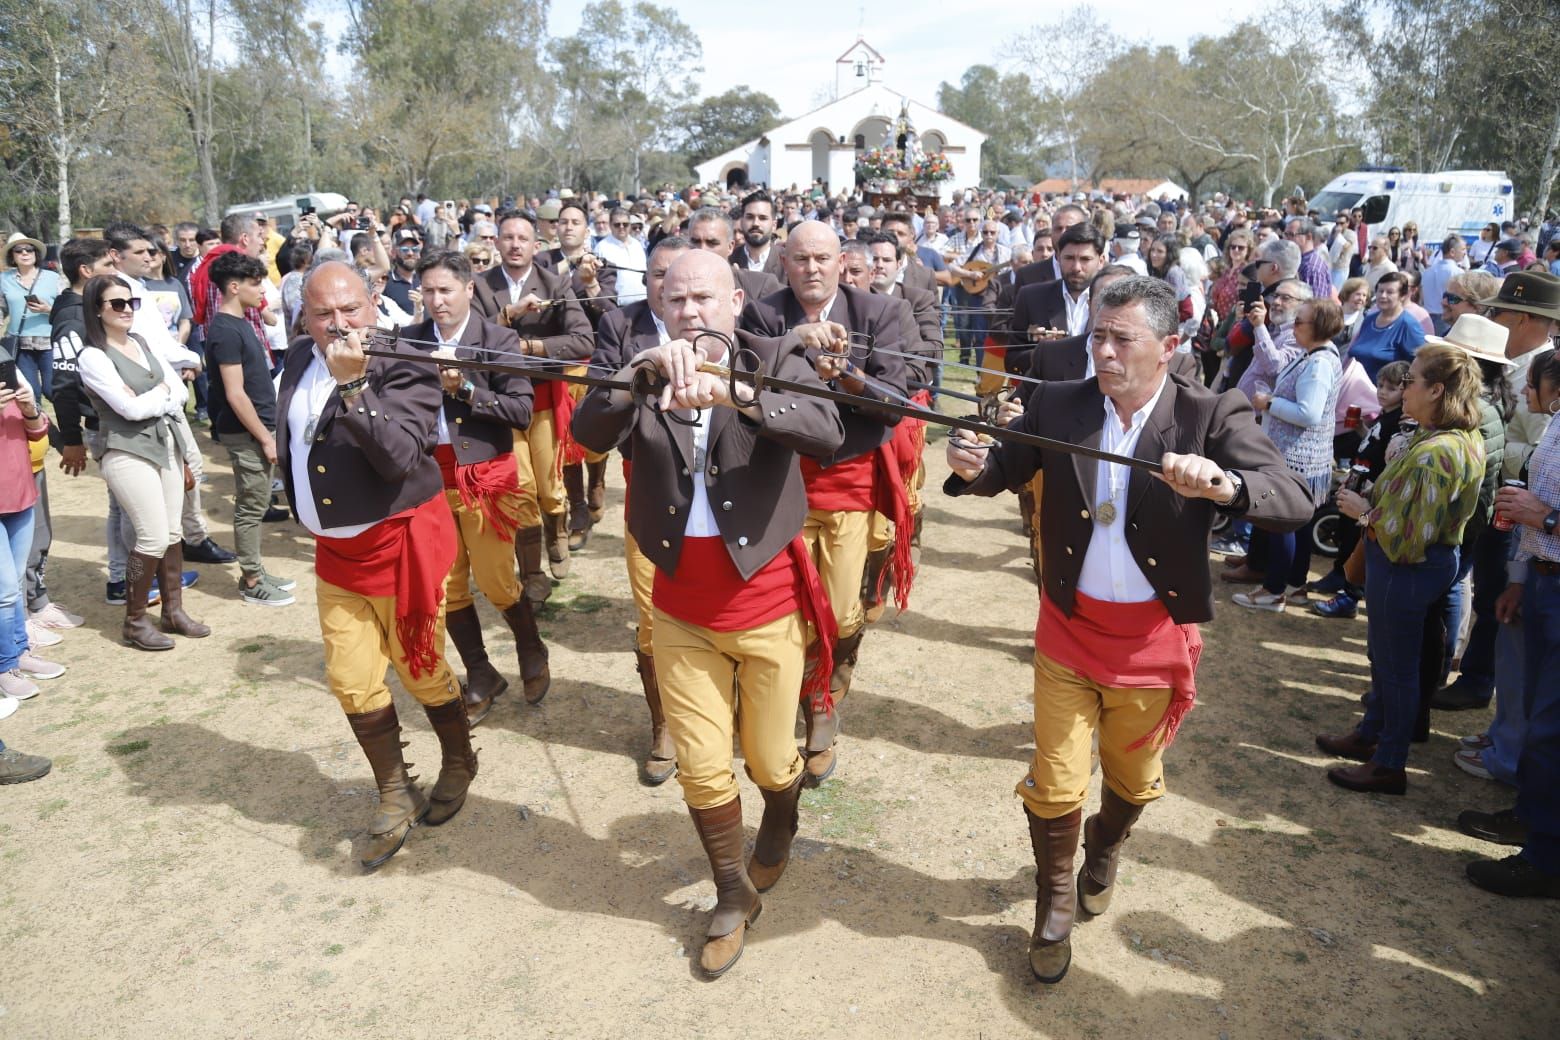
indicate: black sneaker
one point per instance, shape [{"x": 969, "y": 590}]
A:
[
  {"x": 1502, "y": 828},
  {"x": 275, "y": 515},
  {"x": 115, "y": 592},
  {"x": 1514, "y": 876},
  {"x": 1329, "y": 584},
  {"x": 1462, "y": 694},
  {"x": 207, "y": 551}
]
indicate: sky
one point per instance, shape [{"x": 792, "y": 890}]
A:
[{"x": 924, "y": 42}]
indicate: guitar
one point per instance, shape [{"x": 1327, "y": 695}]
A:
[{"x": 977, "y": 283}]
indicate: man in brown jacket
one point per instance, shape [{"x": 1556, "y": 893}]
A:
[
  {"x": 1125, "y": 582},
  {"x": 541, "y": 308},
  {"x": 476, "y": 455},
  {"x": 718, "y": 508},
  {"x": 354, "y": 438},
  {"x": 846, "y": 486}
]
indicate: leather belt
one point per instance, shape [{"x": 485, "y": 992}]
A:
[{"x": 1548, "y": 568}]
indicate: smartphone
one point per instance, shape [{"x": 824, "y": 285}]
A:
[
  {"x": 8, "y": 375},
  {"x": 364, "y": 224},
  {"x": 30, "y": 298},
  {"x": 1250, "y": 293}
]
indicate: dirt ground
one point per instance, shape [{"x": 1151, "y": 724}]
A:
[{"x": 188, "y": 868}]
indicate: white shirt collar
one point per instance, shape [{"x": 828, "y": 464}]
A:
[
  {"x": 458, "y": 332},
  {"x": 823, "y": 312},
  {"x": 1139, "y": 417}
]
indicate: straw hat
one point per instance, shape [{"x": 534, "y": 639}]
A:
[
  {"x": 1477, "y": 336},
  {"x": 19, "y": 239}
]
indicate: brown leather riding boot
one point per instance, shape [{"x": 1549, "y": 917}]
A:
[
  {"x": 138, "y": 630},
  {"x": 874, "y": 602},
  {"x": 483, "y": 681},
  {"x": 401, "y": 805},
  {"x": 772, "y": 849},
  {"x": 737, "y": 904},
  {"x": 170, "y": 577},
  {"x": 528, "y": 555},
  {"x": 555, "y": 527},
  {"x": 846, "y": 650},
  {"x": 529, "y": 648},
  {"x": 596, "y": 489},
  {"x": 1056, "y": 900},
  {"x": 1026, "y": 510},
  {"x": 458, "y": 766},
  {"x": 818, "y": 752},
  {"x": 579, "y": 513},
  {"x": 661, "y": 764},
  {"x": 1103, "y": 835}
]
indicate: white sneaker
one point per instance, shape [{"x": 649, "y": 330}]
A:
[
  {"x": 16, "y": 686},
  {"x": 1471, "y": 761},
  {"x": 56, "y": 616},
  {"x": 38, "y": 635},
  {"x": 1261, "y": 599},
  {"x": 8, "y": 705},
  {"x": 35, "y": 667}
]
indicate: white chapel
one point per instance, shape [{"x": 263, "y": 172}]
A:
[{"x": 825, "y": 143}]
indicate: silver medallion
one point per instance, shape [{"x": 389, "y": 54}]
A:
[{"x": 1105, "y": 512}]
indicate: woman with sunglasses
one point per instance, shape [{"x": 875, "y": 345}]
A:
[
  {"x": 1237, "y": 254},
  {"x": 29, "y": 291},
  {"x": 138, "y": 399}
]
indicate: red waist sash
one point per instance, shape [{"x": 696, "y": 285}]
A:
[
  {"x": 488, "y": 486},
  {"x": 707, "y": 590},
  {"x": 1129, "y": 645},
  {"x": 407, "y": 556},
  {"x": 843, "y": 488}
]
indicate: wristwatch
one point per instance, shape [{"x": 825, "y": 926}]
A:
[
  {"x": 1238, "y": 483},
  {"x": 1552, "y": 521}
]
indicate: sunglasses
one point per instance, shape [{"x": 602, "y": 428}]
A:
[
  {"x": 23, "y": 249},
  {"x": 410, "y": 247},
  {"x": 620, "y": 224},
  {"x": 121, "y": 304}
]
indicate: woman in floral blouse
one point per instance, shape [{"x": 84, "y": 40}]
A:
[{"x": 1413, "y": 522}]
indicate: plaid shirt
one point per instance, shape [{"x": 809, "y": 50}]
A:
[{"x": 1543, "y": 481}]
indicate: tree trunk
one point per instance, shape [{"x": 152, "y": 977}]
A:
[
  {"x": 1546, "y": 171},
  {"x": 308, "y": 147},
  {"x": 62, "y": 185}
]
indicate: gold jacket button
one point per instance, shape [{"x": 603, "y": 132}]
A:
[
  {"x": 459, "y": 420},
  {"x": 671, "y": 510},
  {"x": 319, "y": 469},
  {"x": 665, "y": 544},
  {"x": 324, "y": 501},
  {"x": 725, "y": 505},
  {"x": 1172, "y": 594},
  {"x": 1083, "y": 513},
  {"x": 1153, "y": 562},
  {"x": 1069, "y": 550}
]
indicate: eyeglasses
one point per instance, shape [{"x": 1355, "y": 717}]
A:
[
  {"x": 409, "y": 247},
  {"x": 1453, "y": 298},
  {"x": 620, "y": 223},
  {"x": 1288, "y": 299},
  {"x": 23, "y": 249},
  {"x": 121, "y": 304}
]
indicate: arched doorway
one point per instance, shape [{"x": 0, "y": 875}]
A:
[
  {"x": 820, "y": 141},
  {"x": 736, "y": 176}
]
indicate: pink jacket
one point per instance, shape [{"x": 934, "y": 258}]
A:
[{"x": 17, "y": 490}]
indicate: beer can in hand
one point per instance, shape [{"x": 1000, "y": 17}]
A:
[
  {"x": 1502, "y": 521},
  {"x": 1352, "y": 417}
]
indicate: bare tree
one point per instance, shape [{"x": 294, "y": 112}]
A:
[
  {"x": 1062, "y": 59},
  {"x": 186, "y": 35},
  {"x": 57, "y": 80}
]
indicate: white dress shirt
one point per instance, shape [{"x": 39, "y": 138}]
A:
[
  {"x": 701, "y": 518},
  {"x": 303, "y": 415},
  {"x": 444, "y": 427},
  {"x": 514, "y": 286},
  {"x": 756, "y": 262},
  {"x": 1109, "y": 571},
  {"x": 1077, "y": 313},
  {"x": 624, "y": 256}
]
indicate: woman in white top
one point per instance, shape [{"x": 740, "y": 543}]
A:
[{"x": 139, "y": 399}]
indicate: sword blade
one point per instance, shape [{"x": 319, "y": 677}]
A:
[{"x": 530, "y": 371}]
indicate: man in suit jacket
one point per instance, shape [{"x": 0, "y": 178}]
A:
[
  {"x": 759, "y": 251},
  {"x": 711, "y": 229},
  {"x": 1125, "y": 581},
  {"x": 594, "y": 284},
  {"x": 624, "y": 335},
  {"x": 719, "y": 511},
  {"x": 541, "y": 308},
  {"x": 844, "y": 488},
  {"x": 1060, "y": 305},
  {"x": 476, "y": 453},
  {"x": 1050, "y": 269},
  {"x": 354, "y": 443}
]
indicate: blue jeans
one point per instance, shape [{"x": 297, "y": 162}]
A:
[
  {"x": 1400, "y": 597},
  {"x": 1538, "y": 773},
  {"x": 38, "y": 367},
  {"x": 1450, "y": 609},
  {"x": 1509, "y": 730},
  {"x": 1489, "y": 581},
  {"x": 969, "y": 327},
  {"x": 18, "y": 532},
  {"x": 1288, "y": 558}
]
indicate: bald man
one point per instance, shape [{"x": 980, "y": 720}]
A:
[
  {"x": 719, "y": 508},
  {"x": 355, "y": 438},
  {"x": 847, "y": 485}
]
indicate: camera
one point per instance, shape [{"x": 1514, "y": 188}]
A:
[{"x": 364, "y": 224}]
